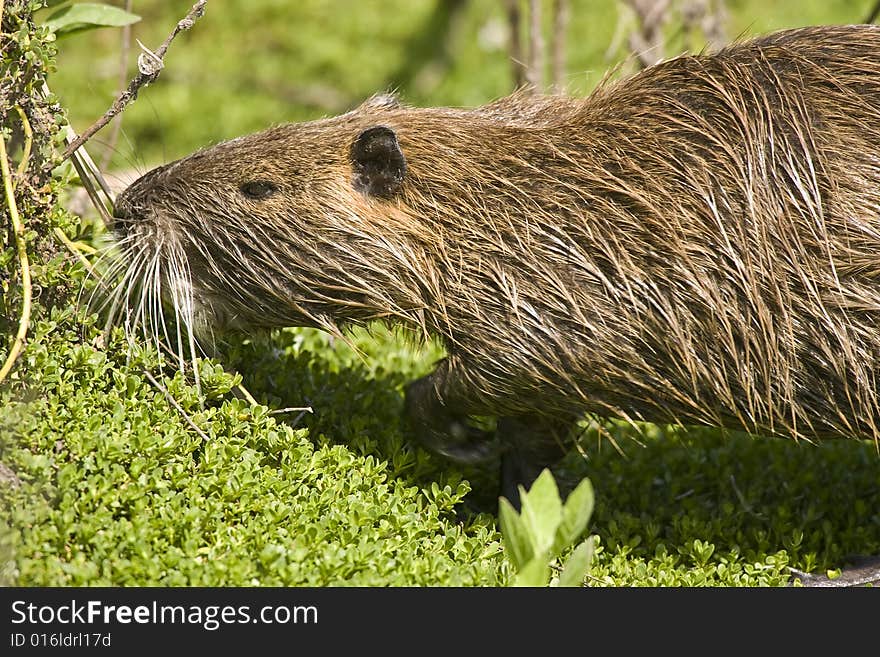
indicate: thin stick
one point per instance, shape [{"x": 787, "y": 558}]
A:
[
  {"x": 535, "y": 74},
  {"x": 149, "y": 65},
  {"x": 21, "y": 248},
  {"x": 178, "y": 407},
  {"x": 28, "y": 143},
  {"x": 292, "y": 409},
  {"x": 116, "y": 124},
  {"x": 875, "y": 11},
  {"x": 85, "y": 160},
  {"x": 514, "y": 17},
  {"x": 560, "y": 27}
]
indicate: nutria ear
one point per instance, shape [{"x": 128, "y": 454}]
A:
[{"x": 378, "y": 163}]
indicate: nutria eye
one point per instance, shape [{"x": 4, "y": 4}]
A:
[{"x": 258, "y": 189}]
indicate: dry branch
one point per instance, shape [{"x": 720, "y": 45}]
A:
[
  {"x": 560, "y": 27},
  {"x": 535, "y": 72},
  {"x": 150, "y": 64}
]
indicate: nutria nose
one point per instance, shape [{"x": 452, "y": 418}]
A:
[
  {"x": 135, "y": 196},
  {"x": 123, "y": 212},
  {"x": 122, "y": 207}
]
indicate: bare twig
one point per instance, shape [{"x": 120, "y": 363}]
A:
[
  {"x": 560, "y": 27},
  {"x": 291, "y": 409},
  {"x": 535, "y": 72},
  {"x": 514, "y": 18},
  {"x": 646, "y": 41},
  {"x": 76, "y": 251},
  {"x": 149, "y": 65},
  {"x": 295, "y": 421},
  {"x": 28, "y": 143},
  {"x": 872, "y": 15},
  {"x": 173, "y": 402},
  {"x": 20, "y": 245},
  {"x": 116, "y": 124}
]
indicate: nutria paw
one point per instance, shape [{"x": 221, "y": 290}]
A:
[
  {"x": 533, "y": 443},
  {"x": 441, "y": 426}
]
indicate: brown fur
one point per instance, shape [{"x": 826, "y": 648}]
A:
[{"x": 699, "y": 243}]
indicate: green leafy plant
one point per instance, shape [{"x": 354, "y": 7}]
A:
[
  {"x": 537, "y": 536},
  {"x": 71, "y": 18}
]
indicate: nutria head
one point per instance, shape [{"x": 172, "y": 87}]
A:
[{"x": 256, "y": 231}]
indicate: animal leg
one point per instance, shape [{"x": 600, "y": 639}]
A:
[
  {"x": 532, "y": 444},
  {"x": 437, "y": 409}
]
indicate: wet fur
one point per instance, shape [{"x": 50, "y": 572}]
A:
[{"x": 699, "y": 243}]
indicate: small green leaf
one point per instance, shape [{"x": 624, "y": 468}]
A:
[
  {"x": 86, "y": 15},
  {"x": 575, "y": 516},
  {"x": 578, "y": 564},
  {"x": 542, "y": 511},
  {"x": 535, "y": 573},
  {"x": 514, "y": 535}
]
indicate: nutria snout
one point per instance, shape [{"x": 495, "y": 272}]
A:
[{"x": 696, "y": 244}]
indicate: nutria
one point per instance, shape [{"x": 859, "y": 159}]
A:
[{"x": 696, "y": 244}]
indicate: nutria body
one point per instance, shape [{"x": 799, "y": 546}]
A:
[{"x": 699, "y": 243}]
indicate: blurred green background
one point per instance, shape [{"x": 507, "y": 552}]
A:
[{"x": 248, "y": 64}]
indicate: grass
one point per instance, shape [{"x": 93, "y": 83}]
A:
[
  {"x": 250, "y": 64},
  {"x": 105, "y": 483}
]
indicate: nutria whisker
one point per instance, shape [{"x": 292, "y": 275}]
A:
[
  {"x": 106, "y": 268},
  {"x": 117, "y": 299}
]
